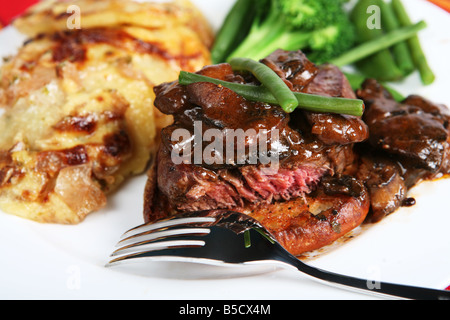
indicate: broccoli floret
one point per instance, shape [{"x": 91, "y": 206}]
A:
[
  {"x": 310, "y": 14},
  {"x": 331, "y": 41},
  {"x": 320, "y": 28}
]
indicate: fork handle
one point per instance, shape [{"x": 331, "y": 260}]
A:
[{"x": 374, "y": 287}]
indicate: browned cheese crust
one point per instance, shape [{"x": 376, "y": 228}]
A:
[{"x": 78, "y": 103}]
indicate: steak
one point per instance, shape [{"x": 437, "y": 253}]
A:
[
  {"x": 333, "y": 172},
  {"x": 195, "y": 188},
  {"x": 303, "y": 157},
  {"x": 309, "y": 148},
  {"x": 336, "y": 207}
]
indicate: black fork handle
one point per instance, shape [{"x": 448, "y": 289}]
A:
[{"x": 368, "y": 286}]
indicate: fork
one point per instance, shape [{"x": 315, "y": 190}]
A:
[{"x": 219, "y": 236}]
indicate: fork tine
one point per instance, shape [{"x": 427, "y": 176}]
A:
[
  {"x": 150, "y": 227},
  {"x": 162, "y": 245},
  {"x": 143, "y": 238},
  {"x": 153, "y": 248}
]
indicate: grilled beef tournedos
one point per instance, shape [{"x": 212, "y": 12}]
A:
[{"x": 330, "y": 177}]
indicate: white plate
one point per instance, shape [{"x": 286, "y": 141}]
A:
[{"x": 67, "y": 262}]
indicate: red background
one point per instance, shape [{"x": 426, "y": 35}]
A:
[{"x": 9, "y": 9}]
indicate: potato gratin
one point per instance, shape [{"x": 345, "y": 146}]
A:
[{"x": 78, "y": 104}]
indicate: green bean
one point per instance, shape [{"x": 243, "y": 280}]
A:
[
  {"x": 235, "y": 27},
  {"x": 269, "y": 79},
  {"x": 383, "y": 42},
  {"x": 309, "y": 102},
  {"x": 249, "y": 92},
  {"x": 379, "y": 63},
  {"x": 415, "y": 47},
  {"x": 400, "y": 51}
]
